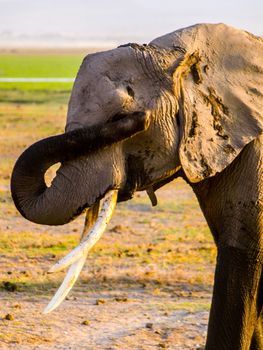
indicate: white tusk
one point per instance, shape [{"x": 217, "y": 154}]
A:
[
  {"x": 96, "y": 232},
  {"x": 77, "y": 257},
  {"x": 91, "y": 217},
  {"x": 68, "y": 283}
]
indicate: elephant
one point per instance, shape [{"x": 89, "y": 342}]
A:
[{"x": 188, "y": 104}]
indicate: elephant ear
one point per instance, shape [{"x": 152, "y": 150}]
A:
[{"x": 220, "y": 83}]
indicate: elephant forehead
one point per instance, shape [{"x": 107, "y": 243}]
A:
[
  {"x": 95, "y": 102},
  {"x": 116, "y": 64},
  {"x": 102, "y": 85}
]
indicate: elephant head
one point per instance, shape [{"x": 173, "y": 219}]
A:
[
  {"x": 140, "y": 113},
  {"x": 118, "y": 93}
]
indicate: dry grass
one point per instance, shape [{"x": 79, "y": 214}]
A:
[{"x": 159, "y": 260}]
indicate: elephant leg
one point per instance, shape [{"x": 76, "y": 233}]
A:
[
  {"x": 257, "y": 339},
  {"x": 237, "y": 302},
  {"x": 232, "y": 204}
]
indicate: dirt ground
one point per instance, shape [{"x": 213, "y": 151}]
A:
[{"x": 120, "y": 302}]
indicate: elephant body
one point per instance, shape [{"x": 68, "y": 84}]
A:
[
  {"x": 188, "y": 104},
  {"x": 232, "y": 206}
]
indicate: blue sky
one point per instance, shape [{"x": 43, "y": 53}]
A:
[{"x": 124, "y": 20}]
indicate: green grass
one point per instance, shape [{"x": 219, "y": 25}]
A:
[
  {"x": 39, "y": 96},
  {"x": 31, "y": 245},
  {"x": 37, "y": 86},
  {"x": 190, "y": 306},
  {"x": 39, "y": 66}
]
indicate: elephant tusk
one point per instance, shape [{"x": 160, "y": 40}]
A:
[
  {"x": 67, "y": 284},
  {"x": 94, "y": 235},
  {"x": 77, "y": 257},
  {"x": 91, "y": 217}
]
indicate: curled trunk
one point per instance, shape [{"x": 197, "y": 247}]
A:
[{"x": 92, "y": 163}]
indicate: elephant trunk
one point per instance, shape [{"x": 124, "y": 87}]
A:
[{"x": 88, "y": 170}]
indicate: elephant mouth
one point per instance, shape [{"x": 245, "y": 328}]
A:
[{"x": 90, "y": 207}]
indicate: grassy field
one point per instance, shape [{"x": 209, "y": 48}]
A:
[
  {"x": 38, "y": 65},
  {"x": 147, "y": 283}
]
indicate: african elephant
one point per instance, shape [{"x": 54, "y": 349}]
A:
[{"x": 188, "y": 104}]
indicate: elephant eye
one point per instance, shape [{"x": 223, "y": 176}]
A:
[
  {"x": 130, "y": 91},
  {"x": 118, "y": 116}
]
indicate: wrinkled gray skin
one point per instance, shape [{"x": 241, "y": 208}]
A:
[{"x": 202, "y": 88}]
